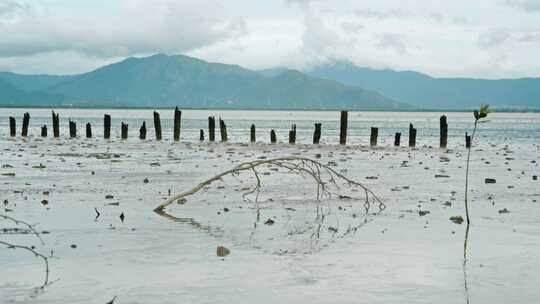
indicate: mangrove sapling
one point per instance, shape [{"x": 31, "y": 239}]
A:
[
  {"x": 479, "y": 115},
  {"x": 30, "y": 228}
]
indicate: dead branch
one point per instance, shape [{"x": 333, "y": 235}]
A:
[
  {"x": 37, "y": 254},
  {"x": 29, "y": 249},
  {"x": 30, "y": 227},
  {"x": 296, "y": 165}
]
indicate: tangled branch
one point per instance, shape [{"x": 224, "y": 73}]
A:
[
  {"x": 294, "y": 164},
  {"x": 29, "y": 249}
]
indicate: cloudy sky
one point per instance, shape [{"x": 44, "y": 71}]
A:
[{"x": 474, "y": 38}]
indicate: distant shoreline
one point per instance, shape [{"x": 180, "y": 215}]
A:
[{"x": 500, "y": 110}]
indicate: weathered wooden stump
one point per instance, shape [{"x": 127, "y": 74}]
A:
[
  {"x": 211, "y": 128},
  {"x": 124, "y": 130},
  {"x": 201, "y": 135},
  {"x": 223, "y": 130},
  {"x": 72, "y": 129},
  {"x": 343, "y": 128},
  {"x": 397, "y": 139},
  {"x": 44, "y": 131},
  {"x": 252, "y": 136},
  {"x": 25, "y": 123},
  {"x": 373, "y": 136},
  {"x": 412, "y": 136},
  {"x": 177, "y": 123},
  {"x": 273, "y": 138},
  {"x": 444, "y": 132},
  {"x": 292, "y": 135},
  {"x": 56, "y": 124},
  {"x": 317, "y": 134},
  {"x": 88, "y": 130},
  {"x": 12, "y": 126},
  {"x": 107, "y": 126},
  {"x": 142, "y": 131},
  {"x": 157, "y": 125},
  {"x": 467, "y": 141}
]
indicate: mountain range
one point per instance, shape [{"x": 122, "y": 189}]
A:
[
  {"x": 167, "y": 81},
  {"x": 427, "y": 92}
]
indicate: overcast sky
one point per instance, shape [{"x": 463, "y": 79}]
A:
[{"x": 474, "y": 38}]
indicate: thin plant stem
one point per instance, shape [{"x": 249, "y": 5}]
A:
[{"x": 467, "y": 195}]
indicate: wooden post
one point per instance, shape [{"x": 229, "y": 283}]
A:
[
  {"x": 72, "y": 129},
  {"x": 443, "y": 131},
  {"x": 12, "y": 126},
  {"x": 273, "y": 138},
  {"x": 25, "y": 123},
  {"x": 343, "y": 128},
  {"x": 223, "y": 130},
  {"x": 124, "y": 130},
  {"x": 412, "y": 136},
  {"x": 211, "y": 128},
  {"x": 397, "y": 139},
  {"x": 44, "y": 131},
  {"x": 56, "y": 124},
  {"x": 88, "y": 130},
  {"x": 177, "y": 119},
  {"x": 157, "y": 125},
  {"x": 373, "y": 136},
  {"x": 201, "y": 135},
  {"x": 107, "y": 126},
  {"x": 467, "y": 141},
  {"x": 317, "y": 134},
  {"x": 252, "y": 137},
  {"x": 292, "y": 135},
  {"x": 142, "y": 131}
]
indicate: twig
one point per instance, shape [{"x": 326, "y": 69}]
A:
[{"x": 37, "y": 254}]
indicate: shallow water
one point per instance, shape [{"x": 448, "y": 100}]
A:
[{"x": 397, "y": 256}]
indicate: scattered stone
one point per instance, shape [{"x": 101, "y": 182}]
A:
[
  {"x": 145, "y": 180},
  {"x": 44, "y": 202},
  {"x": 457, "y": 219},
  {"x": 109, "y": 196},
  {"x": 73, "y": 246},
  {"x": 122, "y": 217},
  {"x": 222, "y": 251},
  {"x": 423, "y": 212},
  {"x": 269, "y": 222},
  {"x": 441, "y": 176},
  {"x": 535, "y": 177},
  {"x": 504, "y": 211},
  {"x": 490, "y": 181}
]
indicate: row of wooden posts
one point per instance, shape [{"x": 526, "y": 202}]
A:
[{"x": 223, "y": 130}]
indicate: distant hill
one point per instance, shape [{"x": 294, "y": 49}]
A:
[
  {"x": 166, "y": 81},
  {"x": 436, "y": 93},
  {"x": 12, "y": 96},
  {"x": 31, "y": 83}
]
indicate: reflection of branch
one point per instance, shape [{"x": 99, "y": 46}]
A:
[{"x": 37, "y": 254}]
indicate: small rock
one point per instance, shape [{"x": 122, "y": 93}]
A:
[
  {"x": 145, "y": 180},
  {"x": 490, "y": 181},
  {"x": 423, "y": 212},
  {"x": 73, "y": 246},
  {"x": 44, "y": 202},
  {"x": 122, "y": 217},
  {"x": 503, "y": 211},
  {"x": 269, "y": 222},
  {"x": 535, "y": 177},
  {"x": 457, "y": 219},
  {"x": 109, "y": 196},
  {"x": 222, "y": 251}
]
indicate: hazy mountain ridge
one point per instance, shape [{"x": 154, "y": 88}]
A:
[
  {"x": 166, "y": 81},
  {"x": 425, "y": 91}
]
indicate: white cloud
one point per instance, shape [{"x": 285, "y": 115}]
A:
[{"x": 442, "y": 38}]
